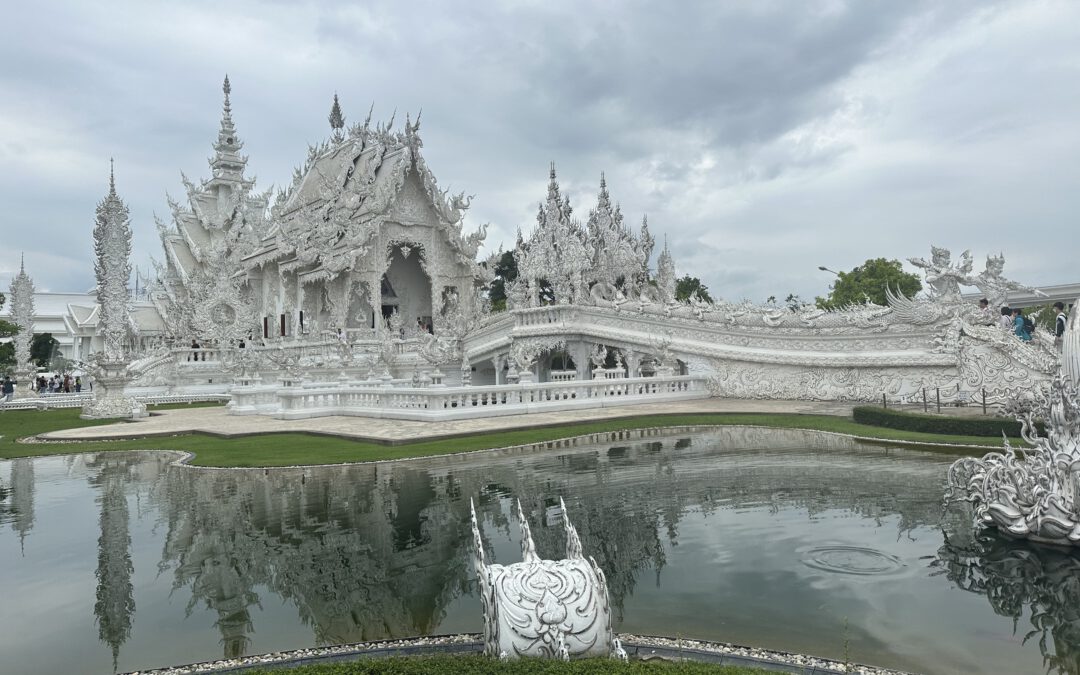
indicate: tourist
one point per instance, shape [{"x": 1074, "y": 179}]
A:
[
  {"x": 1006, "y": 320},
  {"x": 986, "y": 316},
  {"x": 78, "y": 384},
  {"x": 1020, "y": 325},
  {"x": 1059, "y": 323},
  {"x": 194, "y": 346},
  {"x": 8, "y": 389}
]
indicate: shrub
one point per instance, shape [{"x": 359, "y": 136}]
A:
[{"x": 937, "y": 424}]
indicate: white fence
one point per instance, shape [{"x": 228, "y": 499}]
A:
[
  {"x": 452, "y": 403},
  {"x": 78, "y": 400}
]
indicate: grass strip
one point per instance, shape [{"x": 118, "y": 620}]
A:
[
  {"x": 269, "y": 450},
  {"x": 482, "y": 665}
]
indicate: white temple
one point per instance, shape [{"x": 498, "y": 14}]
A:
[{"x": 359, "y": 292}]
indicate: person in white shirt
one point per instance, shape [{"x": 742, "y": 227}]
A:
[{"x": 1006, "y": 320}]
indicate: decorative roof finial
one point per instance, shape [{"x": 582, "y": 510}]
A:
[
  {"x": 552, "y": 175},
  {"x": 227, "y": 88},
  {"x": 367, "y": 120},
  {"x": 603, "y": 181},
  {"x": 337, "y": 120},
  {"x": 22, "y": 262},
  {"x": 112, "y": 177}
]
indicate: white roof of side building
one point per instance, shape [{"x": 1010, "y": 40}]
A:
[
  {"x": 58, "y": 313},
  {"x": 1066, "y": 293}
]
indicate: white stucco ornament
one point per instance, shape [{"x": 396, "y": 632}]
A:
[
  {"x": 108, "y": 368},
  {"x": 1033, "y": 493},
  {"x": 22, "y": 315},
  {"x": 545, "y": 608}
]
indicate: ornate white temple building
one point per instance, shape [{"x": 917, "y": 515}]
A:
[{"x": 358, "y": 290}]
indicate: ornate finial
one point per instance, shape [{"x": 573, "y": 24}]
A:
[
  {"x": 112, "y": 177},
  {"x": 603, "y": 182},
  {"x": 337, "y": 120},
  {"x": 227, "y": 88},
  {"x": 552, "y": 174},
  {"x": 22, "y": 262},
  {"x": 367, "y": 120}
]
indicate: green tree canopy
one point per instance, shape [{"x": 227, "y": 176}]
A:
[
  {"x": 686, "y": 286},
  {"x": 42, "y": 348},
  {"x": 506, "y": 270},
  {"x": 869, "y": 280},
  {"x": 7, "y": 329}
]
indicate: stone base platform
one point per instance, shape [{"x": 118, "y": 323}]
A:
[{"x": 219, "y": 422}]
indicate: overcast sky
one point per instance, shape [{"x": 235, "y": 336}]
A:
[{"x": 764, "y": 138}]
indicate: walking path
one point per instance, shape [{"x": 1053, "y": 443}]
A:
[{"x": 217, "y": 421}]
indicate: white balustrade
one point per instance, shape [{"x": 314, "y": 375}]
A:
[{"x": 447, "y": 403}]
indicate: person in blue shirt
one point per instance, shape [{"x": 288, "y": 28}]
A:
[{"x": 1019, "y": 327}]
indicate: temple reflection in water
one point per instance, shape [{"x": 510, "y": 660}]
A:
[{"x": 697, "y": 531}]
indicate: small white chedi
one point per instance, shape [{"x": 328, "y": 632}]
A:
[
  {"x": 22, "y": 315},
  {"x": 108, "y": 368},
  {"x": 545, "y": 608},
  {"x": 1033, "y": 493}
]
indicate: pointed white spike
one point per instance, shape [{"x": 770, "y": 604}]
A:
[
  {"x": 573, "y": 542},
  {"x": 528, "y": 548}
]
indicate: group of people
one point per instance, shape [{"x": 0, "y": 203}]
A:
[
  {"x": 58, "y": 384},
  {"x": 55, "y": 384},
  {"x": 1013, "y": 320}
]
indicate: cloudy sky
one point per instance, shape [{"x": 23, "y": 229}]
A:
[{"x": 764, "y": 138}]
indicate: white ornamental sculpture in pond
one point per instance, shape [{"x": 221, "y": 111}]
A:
[
  {"x": 1033, "y": 493},
  {"x": 545, "y": 608}
]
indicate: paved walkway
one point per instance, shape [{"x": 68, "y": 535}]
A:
[{"x": 217, "y": 421}]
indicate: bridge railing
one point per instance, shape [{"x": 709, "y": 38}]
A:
[{"x": 447, "y": 403}]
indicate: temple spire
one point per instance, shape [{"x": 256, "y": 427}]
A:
[
  {"x": 227, "y": 88},
  {"x": 227, "y": 163},
  {"x": 337, "y": 120}
]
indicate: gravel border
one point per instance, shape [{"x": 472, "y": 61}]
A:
[{"x": 639, "y": 647}]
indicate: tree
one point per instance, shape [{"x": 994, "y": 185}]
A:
[
  {"x": 686, "y": 286},
  {"x": 7, "y": 329},
  {"x": 42, "y": 348},
  {"x": 868, "y": 282},
  {"x": 506, "y": 270}
]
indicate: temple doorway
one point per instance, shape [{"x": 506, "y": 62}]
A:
[{"x": 406, "y": 287}]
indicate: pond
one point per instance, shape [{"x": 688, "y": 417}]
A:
[{"x": 782, "y": 539}]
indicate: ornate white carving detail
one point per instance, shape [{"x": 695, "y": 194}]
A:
[
  {"x": 109, "y": 367},
  {"x": 556, "y": 609},
  {"x": 22, "y": 315},
  {"x": 1033, "y": 494}
]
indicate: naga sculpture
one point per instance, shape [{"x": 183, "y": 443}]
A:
[
  {"x": 545, "y": 608},
  {"x": 1033, "y": 494}
]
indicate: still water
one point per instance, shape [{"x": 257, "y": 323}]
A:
[{"x": 782, "y": 539}]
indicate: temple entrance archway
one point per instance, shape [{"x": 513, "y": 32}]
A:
[{"x": 406, "y": 287}]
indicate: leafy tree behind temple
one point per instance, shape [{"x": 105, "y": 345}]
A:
[
  {"x": 7, "y": 349},
  {"x": 506, "y": 270},
  {"x": 42, "y": 348},
  {"x": 870, "y": 280},
  {"x": 7, "y": 329},
  {"x": 686, "y": 286}
]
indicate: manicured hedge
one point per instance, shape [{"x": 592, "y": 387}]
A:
[
  {"x": 480, "y": 665},
  {"x": 937, "y": 424}
]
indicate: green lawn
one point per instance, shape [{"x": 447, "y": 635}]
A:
[
  {"x": 481, "y": 665},
  {"x": 299, "y": 448}
]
